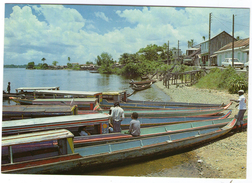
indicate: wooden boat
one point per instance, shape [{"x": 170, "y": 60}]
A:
[
  {"x": 29, "y": 111},
  {"x": 107, "y": 99},
  {"x": 171, "y": 104},
  {"x": 177, "y": 112},
  {"x": 28, "y": 91},
  {"x": 54, "y": 151},
  {"x": 94, "y": 71},
  {"x": 158, "y": 105},
  {"x": 6, "y": 96},
  {"x": 82, "y": 103},
  {"x": 141, "y": 87},
  {"x": 158, "y": 113},
  {"x": 97, "y": 123},
  {"x": 32, "y": 89},
  {"x": 155, "y": 121},
  {"x": 149, "y": 131},
  {"x": 114, "y": 96},
  {"x": 142, "y": 82},
  {"x": 144, "y": 77}
]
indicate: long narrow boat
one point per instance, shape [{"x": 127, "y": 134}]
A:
[
  {"x": 54, "y": 151},
  {"x": 107, "y": 99},
  {"x": 82, "y": 103},
  {"x": 156, "y": 121},
  {"x": 134, "y": 104},
  {"x": 193, "y": 112},
  {"x": 141, "y": 87},
  {"x": 142, "y": 82},
  {"x": 150, "y": 131},
  {"x": 28, "y": 91},
  {"x": 29, "y": 111},
  {"x": 177, "y": 112},
  {"x": 32, "y": 89},
  {"x": 98, "y": 123}
]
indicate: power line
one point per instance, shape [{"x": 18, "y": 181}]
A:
[
  {"x": 222, "y": 23},
  {"x": 226, "y": 21}
]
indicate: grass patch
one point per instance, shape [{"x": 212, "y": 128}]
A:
[{"x": 227, "y": 79}]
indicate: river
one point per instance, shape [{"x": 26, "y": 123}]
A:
[
  {"x": 177, "y": 165},
  {"x": 76, "y": 81}
]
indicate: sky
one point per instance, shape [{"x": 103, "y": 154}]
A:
[{"x": 84, "y": 31}]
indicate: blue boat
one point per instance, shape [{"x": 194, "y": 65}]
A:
[{"x": 55, "y": 151}]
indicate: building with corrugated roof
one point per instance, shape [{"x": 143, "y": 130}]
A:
[
  {"x": 216, "y": 43},
  {"x": 241, "y": 51}
]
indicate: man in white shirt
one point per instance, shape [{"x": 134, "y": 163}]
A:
[
  {"x": 117, "y": 115},
  {"x": 242, "y": 109}
]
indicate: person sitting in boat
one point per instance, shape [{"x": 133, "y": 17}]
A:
[
  {"x": 117, "y": 115},
  {"x": 134, "y": 128},
  {"x": 83, "y": 131},
  {"x": 111, "y": 130},
  {"x": 97, "y": 107}
]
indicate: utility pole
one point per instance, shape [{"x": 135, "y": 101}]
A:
[
  {"x": 168, "y": 54},
  {"x": 209, "y": 42},
  {"x": 178, "y": 51},
  {"x": 233, "y": 44}
]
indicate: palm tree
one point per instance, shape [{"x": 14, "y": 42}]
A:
[
  {"x": 43, "y": 59},
  {"x": 68, "y": 59},
  {"x": 191, "y": 43},
  {"x": 204, "y": 38}
]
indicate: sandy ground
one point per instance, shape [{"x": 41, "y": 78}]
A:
[{"x": 227, "y": 156}]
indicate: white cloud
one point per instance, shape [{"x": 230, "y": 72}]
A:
[{"x": 102, "y": 16}]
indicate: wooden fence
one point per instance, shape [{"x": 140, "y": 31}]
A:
[{"x": 177, "y": 78}]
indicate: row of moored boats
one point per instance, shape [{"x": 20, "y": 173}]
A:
[{"x": 41, "y": 133}]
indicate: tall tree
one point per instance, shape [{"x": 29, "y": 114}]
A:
[
  {"x": 151, "y": 52},
  {"x": 43, "y": 60},
  {"x": 105, "y": 60},
  {"x": 68, "y": 59},
  {"x": 191, "y": 43},
  {"x": 55, "y": 63}
]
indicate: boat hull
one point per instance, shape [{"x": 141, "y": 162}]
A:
[
  {"x": 154, "y": 105},
  {"x": 125, "y": 151}
]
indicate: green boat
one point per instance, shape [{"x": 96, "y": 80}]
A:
[{"x": 55, "y": 151}]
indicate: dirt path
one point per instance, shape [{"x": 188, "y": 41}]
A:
[{"x": 228, "y": 156}]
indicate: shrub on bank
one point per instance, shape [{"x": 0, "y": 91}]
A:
[{"x": 226, "y": 79}]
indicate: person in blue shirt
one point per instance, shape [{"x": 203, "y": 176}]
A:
[
  {"x": 82, "y": 131},
  {"x": 134, "y": 128}
]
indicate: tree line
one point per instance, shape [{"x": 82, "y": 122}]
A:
[{"x": 146, "y": 60}]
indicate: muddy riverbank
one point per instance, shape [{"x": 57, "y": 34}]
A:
[{"x": 225, "y": 157}]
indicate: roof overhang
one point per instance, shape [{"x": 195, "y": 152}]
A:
[{"x": 222, "y": 51}]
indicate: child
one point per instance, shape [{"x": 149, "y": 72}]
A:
[{"x": 134, "y": 128}]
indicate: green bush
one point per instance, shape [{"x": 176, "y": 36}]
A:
[{"x": 227, "y": 79}]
